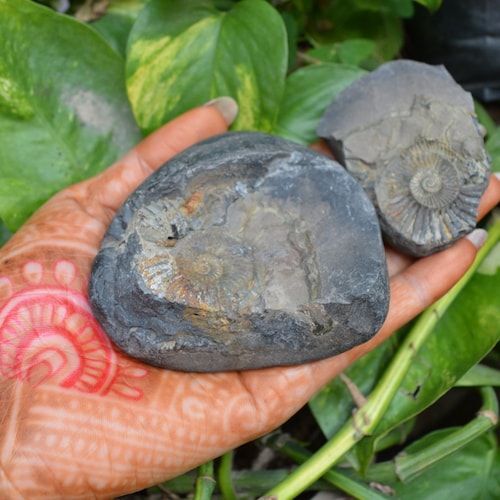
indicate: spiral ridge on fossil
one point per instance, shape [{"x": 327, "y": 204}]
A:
[
  {"x": 209, "y": 269},
  {"x": 434, "y": 174},
  {"x": 408, "y": 134},
  {"x": 424, "y": 194}
]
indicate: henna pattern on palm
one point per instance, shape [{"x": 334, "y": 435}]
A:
[
  {"x": 47, "y": 331},
  {"x": 87, "y": 419},
  {"x": 71, "y": 410}
]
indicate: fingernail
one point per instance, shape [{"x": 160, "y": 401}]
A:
[
  {"x": 226, "y": 106},
  {"x": 497, "y": 175},
  {"x": 477, "y": 237}
]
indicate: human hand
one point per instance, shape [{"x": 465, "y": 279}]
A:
[{"x": 79, "y": 419}]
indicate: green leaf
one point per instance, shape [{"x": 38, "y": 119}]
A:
[
  {"x": 480, "y": 375},
  {"x": 127, "y": 8},
  {"x": 308, "y": 92},
  {"x": 402, "y": 8},
  {"x": 471, "y": 472},
  {"x": 354, "y": 52},
  {"x": 432, "y": 5},
  {"x": 5, "y": 234},
  {"x": 484, "y": 118},
  {"x": 116, "y": 24},
  {"x": 184, "y": 53},
  {"x": 64, "y": 114},
  {"x": 493, "y": 147},
  {"x": 338, "y": 21},
  {"x": 115, "y": 29},
  {"x": 292, "y": 31}
]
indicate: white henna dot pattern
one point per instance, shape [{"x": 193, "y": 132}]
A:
[
  {"x": 64, "y": 272},
  {"x": 48, "y": 332},
  {"x": 33, "y": 272}
]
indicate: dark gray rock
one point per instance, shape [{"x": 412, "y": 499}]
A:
[
  {"x": 408, "y": 134},
  {"x": 244, "y": 251}
]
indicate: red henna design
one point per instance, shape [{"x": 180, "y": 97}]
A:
[{"x": 48, "y": 332}]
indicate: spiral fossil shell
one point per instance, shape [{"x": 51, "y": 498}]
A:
[
  {"x": 408, "y": 133},
  {"x": 204, "y": 269},
  {"x": 243, "y": 251}
]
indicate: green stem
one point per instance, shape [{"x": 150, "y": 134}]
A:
[
  {"x": 408, "y": 466},
  {"x": 366, "y": 419},
  {"x": 224, "y": 476},
  {"x": 205, "y": 482},
  {"x": 248, "y": 483},
  {"x": 335, "y": 477}
]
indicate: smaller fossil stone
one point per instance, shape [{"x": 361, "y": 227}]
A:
[
  {"x": 409, "y": 135},
  {"x": 244, "y": 251}
]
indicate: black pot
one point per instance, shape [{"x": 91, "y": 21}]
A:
[{"x": 464, "y": 35}]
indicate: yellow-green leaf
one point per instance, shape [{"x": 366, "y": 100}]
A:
[{"x": 182, "y": 54}]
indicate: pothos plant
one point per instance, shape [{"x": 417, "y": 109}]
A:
[{"x": 77, "y": 90}]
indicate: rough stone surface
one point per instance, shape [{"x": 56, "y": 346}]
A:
[
  {"x": 408, "y": 134},
  {"x": 244, "y": 251}
]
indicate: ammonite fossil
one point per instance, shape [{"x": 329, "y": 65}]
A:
[
  {"x": 244, "y": 251},
  {"x": 408, "y": 134}
]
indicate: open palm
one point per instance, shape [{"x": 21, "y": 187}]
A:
[{"x": 79, "y": 419}]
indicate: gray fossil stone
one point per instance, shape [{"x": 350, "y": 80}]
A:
[
  {"x": 244, "y": 251},
  {"x": 409, "y": 135}
]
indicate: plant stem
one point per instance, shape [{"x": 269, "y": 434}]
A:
[
  {"x": 366, "y": 419},
  {"x": 205, "y": 482},
  {"x": 408, "y": 466},
  {"x": 335, "y": 477},
  {"x": 224, "y": 476},
  {"x": 248, "y": 483}
]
